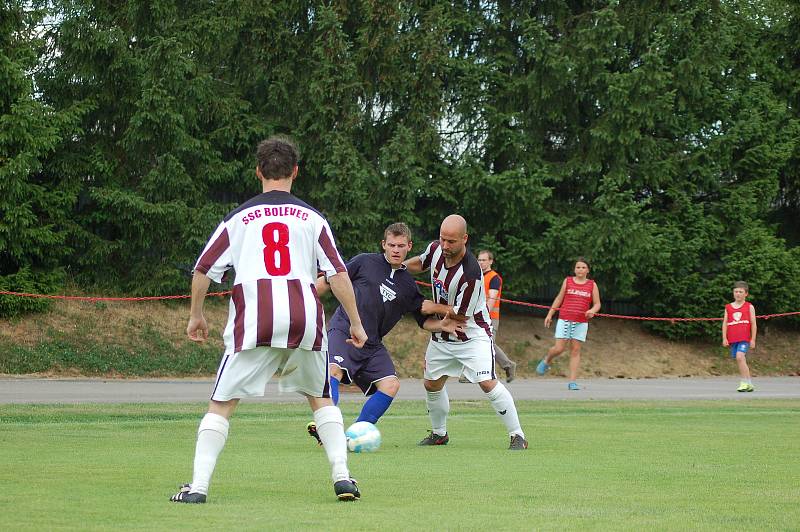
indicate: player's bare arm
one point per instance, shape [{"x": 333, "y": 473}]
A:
[
  {"x": 430, "y": 308},
  {"x": 197, "y": 329},
  {"x": 322, "y": 285},
  {"x": 725, "y": 329},
  {"x": 556, "y": 303},
  {"x": 491, "y": 298},
  {"x": 342, "y": 288},
  {"x": 595, "y": 302},
  {"x": 414, "y": 265},
  {"x": 753, "y": 327}
]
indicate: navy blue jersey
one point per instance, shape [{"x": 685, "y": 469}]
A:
[{"x": 383, "y": 296}]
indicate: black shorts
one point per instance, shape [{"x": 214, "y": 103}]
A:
[{"x": 362, "y": 367}]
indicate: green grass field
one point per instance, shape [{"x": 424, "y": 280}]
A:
[{"x": 611, "y": 465}]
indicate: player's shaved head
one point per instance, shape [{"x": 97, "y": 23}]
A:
[
  {"x": 453, "y": 238},
  {"x": 455, "y": 224}
]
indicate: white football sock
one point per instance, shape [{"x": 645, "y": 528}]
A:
[
  {"x": 503, "y": 404},
  {"x": 330, "y": 428},
  {"x": 438, "y": 408},
  {"x": 211, "y": 436}
]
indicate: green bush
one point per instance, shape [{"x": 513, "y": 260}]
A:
[{"x": 29, "y": 282}]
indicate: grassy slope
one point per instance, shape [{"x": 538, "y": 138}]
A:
[
  {"x": 693, "y": 465},
  {"x": 147, "y": 339}
]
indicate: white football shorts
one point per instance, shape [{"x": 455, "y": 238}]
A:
[
  {"x": 246, "y": 373},
  {"x": 475, "y": 358}
]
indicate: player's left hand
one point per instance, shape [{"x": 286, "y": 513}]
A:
[
  {"x": 450, "y": 325},
  {"x": 589, "y": 314},
  {"x": 358, "y": 336}
]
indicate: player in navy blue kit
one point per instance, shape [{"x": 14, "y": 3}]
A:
[{"x": 385, "y": 292}]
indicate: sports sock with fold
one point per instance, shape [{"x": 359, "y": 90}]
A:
[
  {"x": 211, "y": 437},
  {"x": 438, "y": 408},
  {"x": 503, "y": 404},
  {"x": 330, "y": 427}
]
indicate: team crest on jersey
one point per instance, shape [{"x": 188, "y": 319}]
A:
[
  {"x": 438, "y": 285},
  {"x": 387, "y": 293},
  {"x": 338, "y": 359},
  {"x": 737, "y": 316}
]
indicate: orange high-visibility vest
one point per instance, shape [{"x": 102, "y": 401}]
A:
[{"x": 494, "y": 312}]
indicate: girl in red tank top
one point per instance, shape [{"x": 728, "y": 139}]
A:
[
  {"x": 577, "y": 302},
  {"x": 739, "y": 331}
]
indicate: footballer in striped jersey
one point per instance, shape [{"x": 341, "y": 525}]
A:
[
  {"x": 457, "y": 288},
  {"x": 275, "y": 242}
]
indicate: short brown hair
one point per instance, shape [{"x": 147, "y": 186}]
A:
[
  {"x": 742, "y": 284},
  {"x": 583, "y": 260},
  {"x": 277, "y": 156},
  {"x": 397, "y": 229},
  {"x": 491, "y": 255}
]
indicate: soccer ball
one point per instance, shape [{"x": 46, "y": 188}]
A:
[{"x": 363, "y": 437}]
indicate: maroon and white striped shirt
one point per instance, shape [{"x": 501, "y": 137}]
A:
[
  {"x": 461, "y": 287},
  {"x": 276, "y": 243}
]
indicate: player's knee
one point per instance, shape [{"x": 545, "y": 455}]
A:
[
  {"x": 389, "y": 386},
  {"x": 223, "y": 408},
  {"x": 488, "y": 386},
  {"x": 319, "y": 402},
  {"x": 336, "y": 372},
  {"x": 433, "y": 386}
]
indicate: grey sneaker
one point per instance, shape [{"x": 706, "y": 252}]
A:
[
  {"x": 518, "y": 443},
  {"x": 434, "y": 439},
  {"x": 186, "y": 495},
  {"x": 511, "y": 372}
]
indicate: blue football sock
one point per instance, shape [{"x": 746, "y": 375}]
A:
[
  {"x": 335, "y": 390},
  {"x": 375, "y": 407}
]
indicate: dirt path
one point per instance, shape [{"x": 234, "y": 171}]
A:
[{"x": 36, "y": 390}]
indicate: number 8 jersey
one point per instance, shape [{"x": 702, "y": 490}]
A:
[{"x": 276, "y": 243}]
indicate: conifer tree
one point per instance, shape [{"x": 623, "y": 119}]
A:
[
  {"x": 658, "y": 139},
  {"x": 34, "y": 199}
]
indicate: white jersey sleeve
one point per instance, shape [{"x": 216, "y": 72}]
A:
[
  {"x": 216, "y": 258},
  {"x": 328, "y": 259},
  {"x": 426, "y": 256}
]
